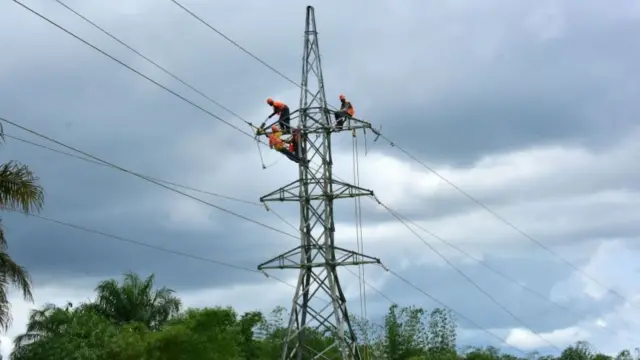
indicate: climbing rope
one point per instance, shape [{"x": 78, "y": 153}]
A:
[
  {"x": 260, "y": 153},
  {"x": 272, "y": 164},
  {"x": 364, "y": 134},
  {"x": 255, "y": 130},
  {"x": 359, "y": 236}
]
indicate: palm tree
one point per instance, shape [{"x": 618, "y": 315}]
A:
[
  {"x": 136, "y": 301},
  {"x": 48, "y": 321},
  {"x": 20, "y": 192}
]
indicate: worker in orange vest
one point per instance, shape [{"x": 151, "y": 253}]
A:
[
  {"x": 276, "y": 142},
  {"x": 281, "y": 109},
  {"x": 346, "y": 111}
]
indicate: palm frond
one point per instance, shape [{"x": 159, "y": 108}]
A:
[
  {"x": 11, "y": 274},
  {"x": 19, "y": 188},
  {"x": 16, "y": 275},
  {"x": 3, "y": 239}
]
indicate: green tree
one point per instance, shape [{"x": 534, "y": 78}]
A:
[
  {"x": 206, "y": 334},
  {"x": 79, "y": 334},
  {"x": 248, "y": 323},
  {"x": 624, "y": 355},
  {"x": 135, "y": 300},
  {"x": 405, "y": 333},
  {"x": 371, "y": 336},
  {"x": 604, "y": 357},
  {"x": 48, "y": 321},
  {"x": 441, "y": 334},
  {"x": 271, "y": 331},
  {"x": 582, "y": 350},
  {"x": 140, "y": 323},
  {"x": 19, "y": 191}
]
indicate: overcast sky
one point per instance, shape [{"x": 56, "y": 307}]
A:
[{"x": 529, "y": 106}]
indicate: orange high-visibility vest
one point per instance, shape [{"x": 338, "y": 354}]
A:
[
  {"x": 278, "y": 106},
  {"x": 275, "y": 141},
  {"x": 350, "y": 110}
]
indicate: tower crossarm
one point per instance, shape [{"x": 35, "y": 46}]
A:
[
  {"x": 291, "y": 192},
  {"x": 319, "y": 253},
  {"x": 317, "y": 121}
]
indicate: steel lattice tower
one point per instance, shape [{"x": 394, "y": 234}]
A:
[{"x": 317, "y": 257}]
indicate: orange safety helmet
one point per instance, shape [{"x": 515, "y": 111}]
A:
[
  {"x": 270, "y": 101},
  {"x": 274, "y": 128},
  {"x": 342, "y": 97}
]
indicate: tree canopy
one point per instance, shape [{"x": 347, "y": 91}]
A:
[{"x": 133, "y": 320}]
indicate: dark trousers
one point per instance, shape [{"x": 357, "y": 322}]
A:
[
  {"x": 285, "y": 121},
  {"x": 293, "y": 157},
  {"x": 341, "y": 117}
]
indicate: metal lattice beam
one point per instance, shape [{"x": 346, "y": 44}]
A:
[{"x": 317, "y": 258}]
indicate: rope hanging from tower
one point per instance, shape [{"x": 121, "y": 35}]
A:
[
  {"x": 258, "y": 131},
  {"x": 359, "y": 233}
]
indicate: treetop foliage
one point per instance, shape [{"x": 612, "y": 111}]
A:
[{"x": 133, "y": 320}]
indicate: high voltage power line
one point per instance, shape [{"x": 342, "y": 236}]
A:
[
  {"x": 97, "y": 161},
  {"x": 103, "y": 162},
  {"x": 132, "y": 69},
  {"x": 136, "y": 242},
  {"x": 270, "y": 276},
  {"x": 205, "y": 192},
  {"x": 222, "y": 263},
  {"x": 160, "y": 248},
  {"x": 430, "y": 169},
  {"x": 248, "y": 202},
  {"x": 143, "y": 177},
  {"x": 119, "y": 238},
  {"x": 406, "y": 222},
  {"x": 163, "y": 69},
  {"x": 478, "y": 287},
  {"x": 160, "y": 181}
]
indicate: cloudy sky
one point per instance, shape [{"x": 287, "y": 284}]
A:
[{"x": 528, "y": 106}]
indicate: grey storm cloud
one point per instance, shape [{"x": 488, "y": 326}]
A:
[
  {"x": 533, "y": 93},
  {"x": 450, "y": 83}
]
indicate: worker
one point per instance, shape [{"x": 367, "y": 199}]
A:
[
  {"x": 276, "y": 142},
  {"x": 346, "y": 111},
  {"x": 281, "y": 109},
  {"x": 294, "y": 142}
]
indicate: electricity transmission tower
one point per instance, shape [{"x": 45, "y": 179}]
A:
[{"x": 317, "y": 257}]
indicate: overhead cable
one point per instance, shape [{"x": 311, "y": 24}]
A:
[
  {"x": 147, "y": 179},
  {"x": 494, "y": 270},
  {"x": 135, "y": 242},
  {"x": 503, "y": 341},
  {"x": 470, "y": 197},
  {"x": 146, "y": 176},
  {"x": 468, "y": 278},
  {"x": 163, "y": 249},
  {"x": 132, "y": 69},
  {"x": 222, "y": 263},
  {"x": 510, "y": 224},
  {"x": 175, "y": 184}
]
